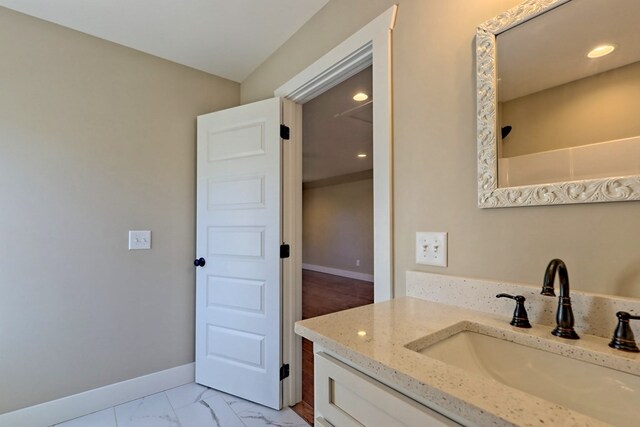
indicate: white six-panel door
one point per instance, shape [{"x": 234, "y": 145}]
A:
[{"x": 238, "y": 321}]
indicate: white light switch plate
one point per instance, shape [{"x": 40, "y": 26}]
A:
[
  {"x": 139, "y": 239},
  {"x": 431, "y": 248}
]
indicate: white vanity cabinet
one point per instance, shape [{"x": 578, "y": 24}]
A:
[{"x": 346, "y": 397}]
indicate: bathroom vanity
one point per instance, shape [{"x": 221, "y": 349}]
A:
[{"x": 372, "y": 368}]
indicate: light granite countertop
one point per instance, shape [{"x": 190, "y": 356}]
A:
[{"x": 391, "y": 325}]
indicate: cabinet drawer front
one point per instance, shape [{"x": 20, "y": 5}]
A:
[
  {"x": 321, "y": 422},
  {"x": 348, "y": 398}
]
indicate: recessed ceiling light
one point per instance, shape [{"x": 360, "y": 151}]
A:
[
  {"x": 362, "y": 333},
  {"x": 601, "y": 51},
  {"x": 360, "y": 96},
  {"x": 362, "y": 155}
]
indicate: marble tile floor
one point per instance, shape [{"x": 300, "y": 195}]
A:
[{"x": 190, "y": 405}]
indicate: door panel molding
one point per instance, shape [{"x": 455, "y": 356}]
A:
[
  {"x": 234, "y": 293},
  {"x": 236, "y": 192}
]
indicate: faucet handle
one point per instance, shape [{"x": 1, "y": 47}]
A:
[
  {"x": 520, "y": 318},
  {"x": 623, "y": 338}
]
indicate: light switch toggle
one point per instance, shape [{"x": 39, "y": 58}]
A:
[{"x": 139, "y": 239}]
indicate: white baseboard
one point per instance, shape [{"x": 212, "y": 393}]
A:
[
  {"x": 67, "y": 408},
  {"x": 338, "y": 272}
]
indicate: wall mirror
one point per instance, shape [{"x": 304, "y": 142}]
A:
[{"x": 558, "y": 84}]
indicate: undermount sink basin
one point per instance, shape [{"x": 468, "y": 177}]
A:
[{"x": 603, "y": 393}]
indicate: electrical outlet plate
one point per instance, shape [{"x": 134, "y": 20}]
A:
[
  {"x": 139, "y": 239},
  {"x": 431, "y": 248}
]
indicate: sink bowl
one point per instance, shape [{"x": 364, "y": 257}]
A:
[{"x": 607, "y": 394}]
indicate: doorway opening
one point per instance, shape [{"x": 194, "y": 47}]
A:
[{"x": 337, "y": 208}]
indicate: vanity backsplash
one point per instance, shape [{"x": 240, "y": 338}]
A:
[{"x": 595, "y": 314}]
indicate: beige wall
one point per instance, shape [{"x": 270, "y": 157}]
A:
[
  {"x": 435, "y": 155},
  {"x": 599, "y": 108},
  {"x": 337, "y": 225},
  {"x": 95, "y": 139}
]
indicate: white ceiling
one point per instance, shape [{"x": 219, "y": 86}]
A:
[
  {"x": 228, "y": 38},
  {"x": 336, "y": 128},
  {"x": 551, "y": 49}
]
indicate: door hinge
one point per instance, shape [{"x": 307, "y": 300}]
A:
[
  {"x": 284, "y": 371},
  {"x": 285, "y": 132},
  {"x": 285, "y": 251}
]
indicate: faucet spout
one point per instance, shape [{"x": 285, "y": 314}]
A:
[
  {"x": 556, "y": 265},
  {"x": 564, "y": 315}
]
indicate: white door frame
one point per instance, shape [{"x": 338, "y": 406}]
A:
[{"x": 371, "y": 45}]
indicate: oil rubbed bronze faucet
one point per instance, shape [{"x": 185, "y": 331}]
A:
[{"x": 564, "y": 316}]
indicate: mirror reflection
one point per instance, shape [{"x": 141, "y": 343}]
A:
[{"x": 569, "y": 94}]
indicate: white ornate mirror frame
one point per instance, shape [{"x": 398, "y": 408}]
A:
[{"x": 613, "y": 189}]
